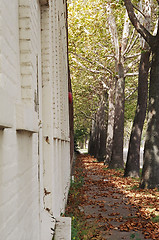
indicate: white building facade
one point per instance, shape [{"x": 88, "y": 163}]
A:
[{"x": 34, "y": 118}]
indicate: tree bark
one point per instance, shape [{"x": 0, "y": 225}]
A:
[
  {"x": 102, "y": 129},
  {"x": 97, "y": 142},
  {"x": 110, "y": 122},
  {"x": 118, "y": 132},
  {"x": 150, "y": 173},
  {"x": 117, "y": 150},
  {"x": 93, "y": 143},
  {"x": 133, "y": 158}
]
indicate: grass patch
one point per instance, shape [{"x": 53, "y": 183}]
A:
[
  {"x": 80, "y": 228},
  {"x": 105, "y": 168},
  {"x": 119, "y": 170},
  {"x": 155, "y": 219},
  {"x": 133, "y": 187},
  {"x": 135, "y": 236}
]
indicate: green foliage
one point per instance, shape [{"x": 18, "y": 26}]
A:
[
  {"x": 76, "y": 185},
  {"x": 75, "y": 228},
  {"x": 155, "y": 219},
  {"x": 80, "y": 229},
  {"x": 91, "y": 52},
  {"x": 80, "y": 134},
  {"x": 121, "y": 2},
  {"x": 135, "y": 236}
]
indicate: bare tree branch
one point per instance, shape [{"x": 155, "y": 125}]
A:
[
  {"x": 131, "y": 64},
  {"x": 88, "y": 69},
  {"x": 138, "y": 26},
  {"x": 131, "y": 39},
  {"x": 83, "y": 58},
  {"x": 133, "y": 56},
  {"x": 89, "y": 117},
  {"x": 93, "y": 62},
  {"x": 131, "y": 94},
  {"x": 107, "y": 56},
  {"x": 131, "y": 74},
  {"x": 126, "y": 30},
  {"x": 113, "y": 29},
  {"x": 139, "y": 10},
  {"x": 132, "y": 44}
]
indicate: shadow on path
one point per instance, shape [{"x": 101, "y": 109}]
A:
[{"x": 106, "y": 206}]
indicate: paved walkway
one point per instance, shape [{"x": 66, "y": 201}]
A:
[{"x": 107, "y": 207}]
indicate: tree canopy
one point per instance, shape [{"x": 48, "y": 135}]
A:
[{"x": 92, "y": 57}]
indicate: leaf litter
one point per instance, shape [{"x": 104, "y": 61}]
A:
[{"x": 108, "y": 206}]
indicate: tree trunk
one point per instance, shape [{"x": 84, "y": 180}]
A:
[
  {"x": 110, "y": 123},
  {"x": 117, "y": 151},
  {"x": 92, "y": 146},
  {"x": 133, "y": 159},
  {"x": 102, "y": 129},
  {"x": 97, "y": 142},
  {"x": 150, "y": 173}
]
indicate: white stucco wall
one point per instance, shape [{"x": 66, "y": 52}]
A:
[{"x": 34, "y": 129}]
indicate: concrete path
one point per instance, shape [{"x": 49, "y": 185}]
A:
[{"x": 108, "y": 208}]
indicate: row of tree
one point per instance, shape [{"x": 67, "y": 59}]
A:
[{"x": 110, "y": 60}]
